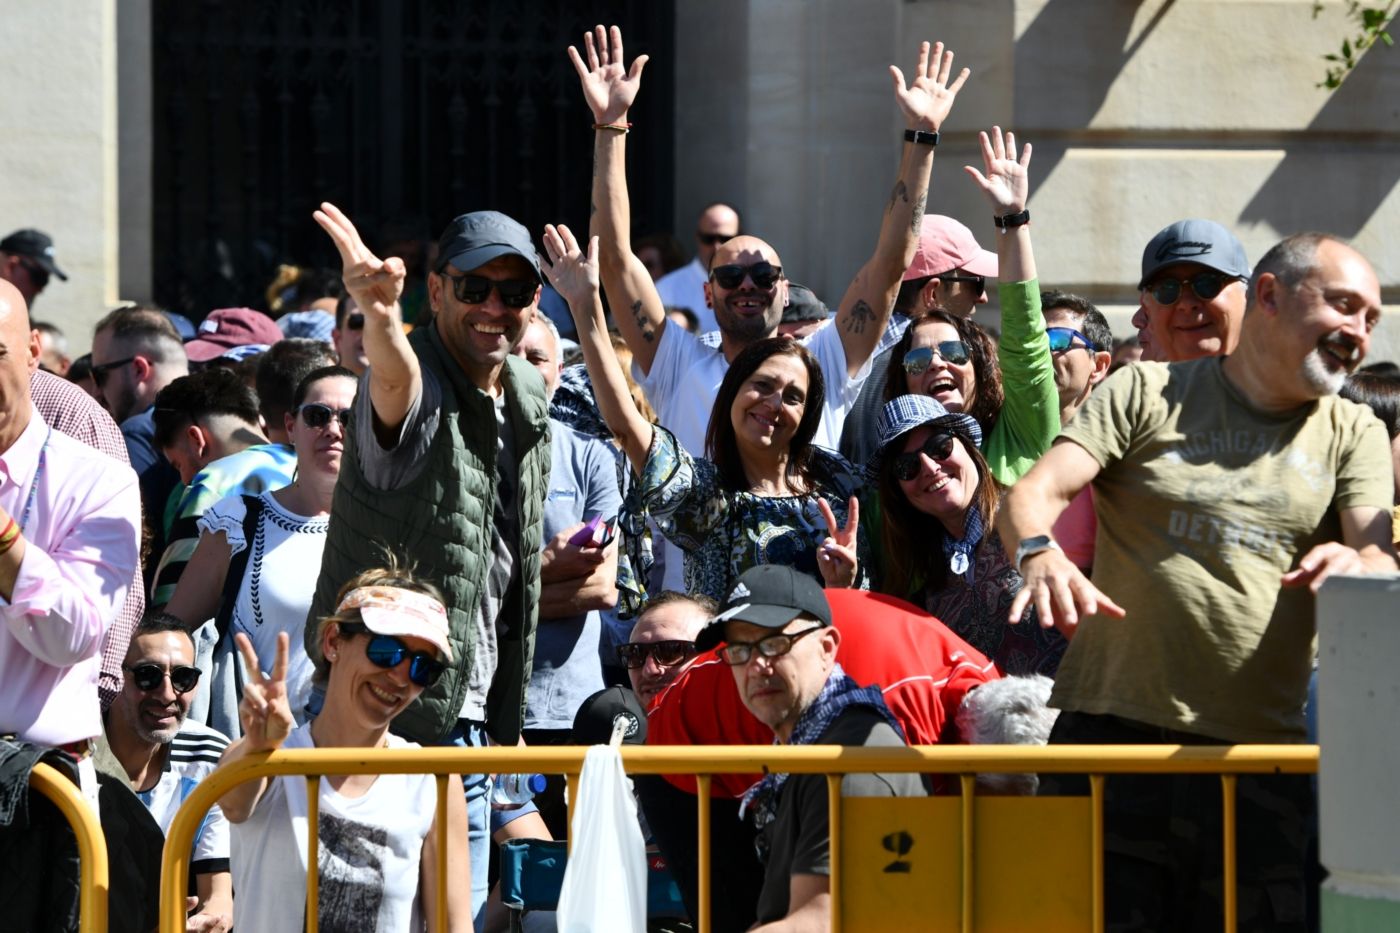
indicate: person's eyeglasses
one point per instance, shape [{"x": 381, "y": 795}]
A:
[
  {"x": 1206, "y": 285},
  {"x": 37, "y": 274},
  {"x": 1062, "y": 338},
  {"x": 714, "y": 239},
  {"x": 919, "y": 359},
  {"x": 937, "y": 447},
  {"x": 633, "y": 655},
  {"x": 769, "y": 646},
  {"x": 318, "y": 416},
  {"x": 764, "y": 275},
  {"x": 475, "y": 289},
  {"x": 148, "y": 677},
  {"x": 389, "y": 652},
  {"x": 978, "y": 282},
  {"x": 100, "y": 373},
  {"x": 355, "y": 321}
]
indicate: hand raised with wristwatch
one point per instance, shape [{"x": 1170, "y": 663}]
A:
[{"x": 1004, "y": 178}]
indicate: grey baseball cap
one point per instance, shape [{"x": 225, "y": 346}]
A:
[
  {"x": 472, "y": 240},
  {"x": 1203, "y": 242}
]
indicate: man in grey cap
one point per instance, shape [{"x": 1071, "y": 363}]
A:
[
  {"x": 776, "y": 634},
  {"x": 27, "y": 262},
  {"x": 1192, "y": 292},
  {"x": 447, "y": 460}
]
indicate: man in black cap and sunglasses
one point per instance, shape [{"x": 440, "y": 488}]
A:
[
  {"x": 1192, "y": 292},
  {"x": 149, "y": 743},
  {"x": 27, "y": 262}
]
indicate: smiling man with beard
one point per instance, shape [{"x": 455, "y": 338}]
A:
[{"x": 1227, "y": 490}]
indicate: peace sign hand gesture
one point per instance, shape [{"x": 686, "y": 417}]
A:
[
  {"x": 375, "y": 284},
  {"x": 929, "y": 97},
  {"x": 608, "y": 87},
  {"x": 265, "y": 712},
  {"x": 1006, "y": 182},
  {"x": 836, "y": 556}
]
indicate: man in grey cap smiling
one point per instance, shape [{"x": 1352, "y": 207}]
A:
[
  {"x": 27, "y": 262},
  {"x": 1192, "y": 292},
  {"x": 776, "y": 634},
  {"x": 447, "y": 459}
]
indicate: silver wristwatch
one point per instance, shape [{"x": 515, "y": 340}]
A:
[{"x": 1035, "y": 545}]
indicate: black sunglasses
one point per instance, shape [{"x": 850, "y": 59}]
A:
[
  {"x": 475, "y": 289},
  {"x": 920, "y": 359},
  {"x": 389, "y": 652},
  {"x": 100, "y": 373},
  {"x": 769, "y": 646},
  {"x": 764, "y": 275},
  {"x": 355, "y": 321},
  {"x": 1062, "y": 338},
  {"x": 714, "y": 239},
  {"x": 937, "y": 447},
  {"x": 318, "y": 416},
  {"x": 633, "y": 655},
  {"x": 1206, "y": 285},
  {"x": 978, "y": 282},
  {"x": 149, "y": 676}
]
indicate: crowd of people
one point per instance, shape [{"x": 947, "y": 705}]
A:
[{"x": 334, "y": 524}]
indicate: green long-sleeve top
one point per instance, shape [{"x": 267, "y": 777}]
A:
[{"x": 1030, "y": 414}]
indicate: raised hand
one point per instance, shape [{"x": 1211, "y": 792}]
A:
[
  {"x": 608, "y": 87},
  {"x": 265, "y": 712},
  {"x": 929, "y": 97},
  {"x": 836, "y": 555},
  {"x": 375, "y": 284},
  {"x": 1006, "y": 183},
  {"x": 573, "y": 273}
]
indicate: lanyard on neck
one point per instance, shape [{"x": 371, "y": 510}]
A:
[{"x": 34, "y": 484}]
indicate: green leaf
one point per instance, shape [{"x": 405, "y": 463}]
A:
[
  {"x": 1346, "y": 49},
  {"x": 1385, "y": 37}
]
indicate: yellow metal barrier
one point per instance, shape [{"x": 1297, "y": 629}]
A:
[
  {"x": 704, "y": 761},
  {"x": 92, "y": 845}
]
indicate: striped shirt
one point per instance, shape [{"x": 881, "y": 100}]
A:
[{"x": 193, "y": 754}]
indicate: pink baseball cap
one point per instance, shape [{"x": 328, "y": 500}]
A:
[
  {"x": 945, "y": 245},
  {"x": 227, "y": 328}
]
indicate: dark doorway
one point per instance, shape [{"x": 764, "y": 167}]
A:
[{"x": 404, "y": 113}]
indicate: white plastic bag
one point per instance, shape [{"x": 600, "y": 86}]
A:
[{"x": 605, "y": 883}]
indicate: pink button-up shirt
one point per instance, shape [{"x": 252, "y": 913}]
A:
[{"x": 81, "y": 546}]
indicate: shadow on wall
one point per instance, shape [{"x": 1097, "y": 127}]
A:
[
  {"x": 1360, "y": 120},
  {"x": 1096, "y": 36}
]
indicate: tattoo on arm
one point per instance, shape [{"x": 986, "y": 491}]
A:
[
  {"x": 916, "y": 223},
  {"x": 900, "y": 193},
  {"x": 648, "y": 332},
  {"x": 861, "y": 315}
]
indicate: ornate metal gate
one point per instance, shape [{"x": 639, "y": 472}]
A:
[{"x": 403, "y": 112}]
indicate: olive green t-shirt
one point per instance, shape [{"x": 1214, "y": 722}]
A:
[{"x": 1203, "y": 503}]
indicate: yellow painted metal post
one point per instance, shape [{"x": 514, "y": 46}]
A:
[
  {"x": 833, "y": 811},
  {"x": 440, "y": 907},
  {"x": 1096, "y": 867},
  {"x": 92, "y": 845},
  {"x": 313, "y": 851},
  {"x": 969, "y": 800},
  {"x": 1228, "y": 783},
  {"x": 702, "y": 818}
]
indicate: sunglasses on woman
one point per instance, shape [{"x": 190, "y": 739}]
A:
[
  {"x": 388, "y": 652},
  {"x": 149, "y": 676},
  {"x": 475, "y": 289},
  {"x": 938, "y": 447},
  {"x": 764, "y": 275},
  {"x": 318, "y": 416},
  {"x": 1063, "y": 338},
  {"x": 1206, "y": 285},
  {"x": 634, "y": 654},
  {"x": 919, "y": 359}
]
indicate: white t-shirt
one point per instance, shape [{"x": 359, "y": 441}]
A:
[
  {"x": 685, "y": 288},
  {"x": 370, "y": 849},
  {"x": 685, "y": 377},
  {"x": 278, "y": 583},
  {"x": 193, "y": 754}
]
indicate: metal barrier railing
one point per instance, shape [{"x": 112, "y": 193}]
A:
[
  {"x": 966, "y": 761},
  {"x": 92, "y": 845}
]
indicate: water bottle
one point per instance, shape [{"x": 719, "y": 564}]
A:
[{"x": 513, "y": 791}]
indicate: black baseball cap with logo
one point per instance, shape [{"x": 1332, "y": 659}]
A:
[
  {"x": 596, "y": 716},
  {"x": 35, "y": 245},
  {"x": 472, "y": 240},
  {"x": 771, "y": 596}
]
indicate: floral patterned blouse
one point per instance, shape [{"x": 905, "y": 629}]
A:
[{"x": 724, "y": 533}]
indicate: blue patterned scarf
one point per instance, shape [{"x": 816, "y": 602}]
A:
[
  {"x": 959, "y": 551},
  {"x": 838, "y": 694}
]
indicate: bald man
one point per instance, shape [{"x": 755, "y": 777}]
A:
[{"x": 69, "y": 529}]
